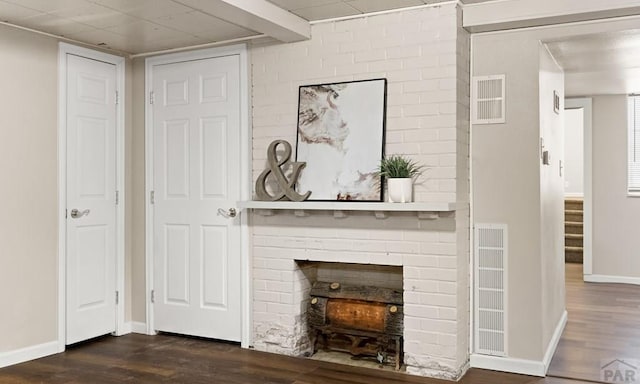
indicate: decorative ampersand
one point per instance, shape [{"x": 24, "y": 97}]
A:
[{"x": 275, "y": 167}]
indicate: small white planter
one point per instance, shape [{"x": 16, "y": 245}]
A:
[{"x": 400, "y": 190}]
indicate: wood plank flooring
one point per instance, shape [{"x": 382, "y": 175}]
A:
[
  {"x": 171, "y": 359},
  {"x": 603, "y": 324}
]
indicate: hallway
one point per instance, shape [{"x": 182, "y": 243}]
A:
[{"x": 603, "y": 325}]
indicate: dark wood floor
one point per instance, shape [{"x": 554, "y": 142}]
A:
[
  {"x": 604, "y": 324},
  {"x": 172, "y": 359}
]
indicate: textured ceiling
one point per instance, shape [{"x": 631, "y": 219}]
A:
[
  {"x": 598, "y": 51},
  {"x": 605, "y": 63},
  {"x": 131, "y": 26},
  {"x": 137, "y": 26},
  {"x": 326, "y": 9}
]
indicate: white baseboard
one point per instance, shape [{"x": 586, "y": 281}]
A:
[
  {"x": 37, "y": 351},
  {"x": 508, "y": 364},
  {"x": 612, "y": 279},
  {"x": 29, "y": 353},
  {"x": 125, "y": 329},
  {"x": 522, "y": 366},
  {"x": 553, "y": 343},
  {"x": 137, "y": 327},
  {"x": 133, "y": 327}
]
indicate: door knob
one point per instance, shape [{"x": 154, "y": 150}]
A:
[
  {"x": 76, "y": 214},
  {"x": 230, "y": 213}
]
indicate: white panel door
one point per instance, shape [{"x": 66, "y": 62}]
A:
[
  {"x": 91, "y": 205},
  {"x": 196, "y": 131}
]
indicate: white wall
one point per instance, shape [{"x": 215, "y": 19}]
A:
[
  {"x": 29, "y": 220},
  {"x": 506, "y": 180},
  {"x": 505, "y": 166},
  {"x": 574, "y": 152},
  {"x": 616, "y": 216},
  {"x": 28, "y": 165},
  {"x": 137, "y": 194},
  {"x": 551, "y": 78}
]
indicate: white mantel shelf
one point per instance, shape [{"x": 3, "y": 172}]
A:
[{"x": 424, "y": 211}]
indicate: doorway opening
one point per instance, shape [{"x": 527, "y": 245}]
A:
[
  {"x": 578, "y": 189},
  {"x": 598, "y": 335}
]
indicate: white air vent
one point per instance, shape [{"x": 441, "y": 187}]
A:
[
  {"x": 490, "y": 294},
  {"x": 488, "y": 99}
]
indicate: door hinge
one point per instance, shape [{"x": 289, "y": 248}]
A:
[
  {"x": 153, "y": 197},
  {"x": 117, "y": 197},
  {"x": 153, "y": 296},
  {"x": 117, "y": 98},
  {"x": 117, "y": 297},
  {"x": 151, "y": 97},
  {"x": 66, "y": 213}
]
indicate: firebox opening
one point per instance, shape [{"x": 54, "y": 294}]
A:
[{"x": 353, "y": 313}]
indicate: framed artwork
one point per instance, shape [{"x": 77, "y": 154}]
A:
[{"x": 341, "y": 128}]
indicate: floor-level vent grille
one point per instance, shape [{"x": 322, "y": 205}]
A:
[{"x": 490, "y": 294}]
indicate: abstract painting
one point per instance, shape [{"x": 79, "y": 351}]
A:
[{"x": 341, "y": 138}]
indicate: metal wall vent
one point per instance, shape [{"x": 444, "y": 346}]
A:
[
  {"x": 490, "y": 294},
  {"x": 488, "y": 99}
]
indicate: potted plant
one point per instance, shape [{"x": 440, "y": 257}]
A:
[{"x": 399, "y": 172}]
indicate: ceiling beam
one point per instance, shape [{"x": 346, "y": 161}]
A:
[
  {"x": 257, "y": 15},
  {"x": 510, "y": 14}
]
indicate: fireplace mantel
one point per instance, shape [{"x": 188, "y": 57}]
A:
[{"x": 424, "y": 211}]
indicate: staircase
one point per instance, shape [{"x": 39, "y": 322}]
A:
[{"x": 573, "y": 230}]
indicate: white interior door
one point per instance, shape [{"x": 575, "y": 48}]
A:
[
  {"x": 91, "y": 200},
  {"x": 196, "y": 167}
]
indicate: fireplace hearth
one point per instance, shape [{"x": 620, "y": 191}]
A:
[{"x": 365, "y": 321}]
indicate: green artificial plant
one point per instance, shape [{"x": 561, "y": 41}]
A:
[{"x": 399, "y": 166}]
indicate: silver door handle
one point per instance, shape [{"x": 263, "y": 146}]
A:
[
  {"x": 76, "y": 214},
  {"x": 230, "y": 213}
]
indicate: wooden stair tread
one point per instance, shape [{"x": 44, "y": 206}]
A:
[
  {"x": 573, "y": 222},
  {"x": 574, "y": 205},
  {"x": 573, "y": 258}
]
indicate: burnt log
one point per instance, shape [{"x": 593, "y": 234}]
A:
[
  {"x": 317, "y": 312},
  {"x": 394, "y": 320},
  {"x": 356, "y": 292}
]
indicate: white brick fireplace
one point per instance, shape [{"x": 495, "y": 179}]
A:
[
  {"x": 425, "y": 250},
  {"x": 423, "y": 53}
]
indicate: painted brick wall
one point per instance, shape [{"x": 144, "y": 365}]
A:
[
  {"x": 463, "y": 180},
  {"x": 424, "y": 55}
]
